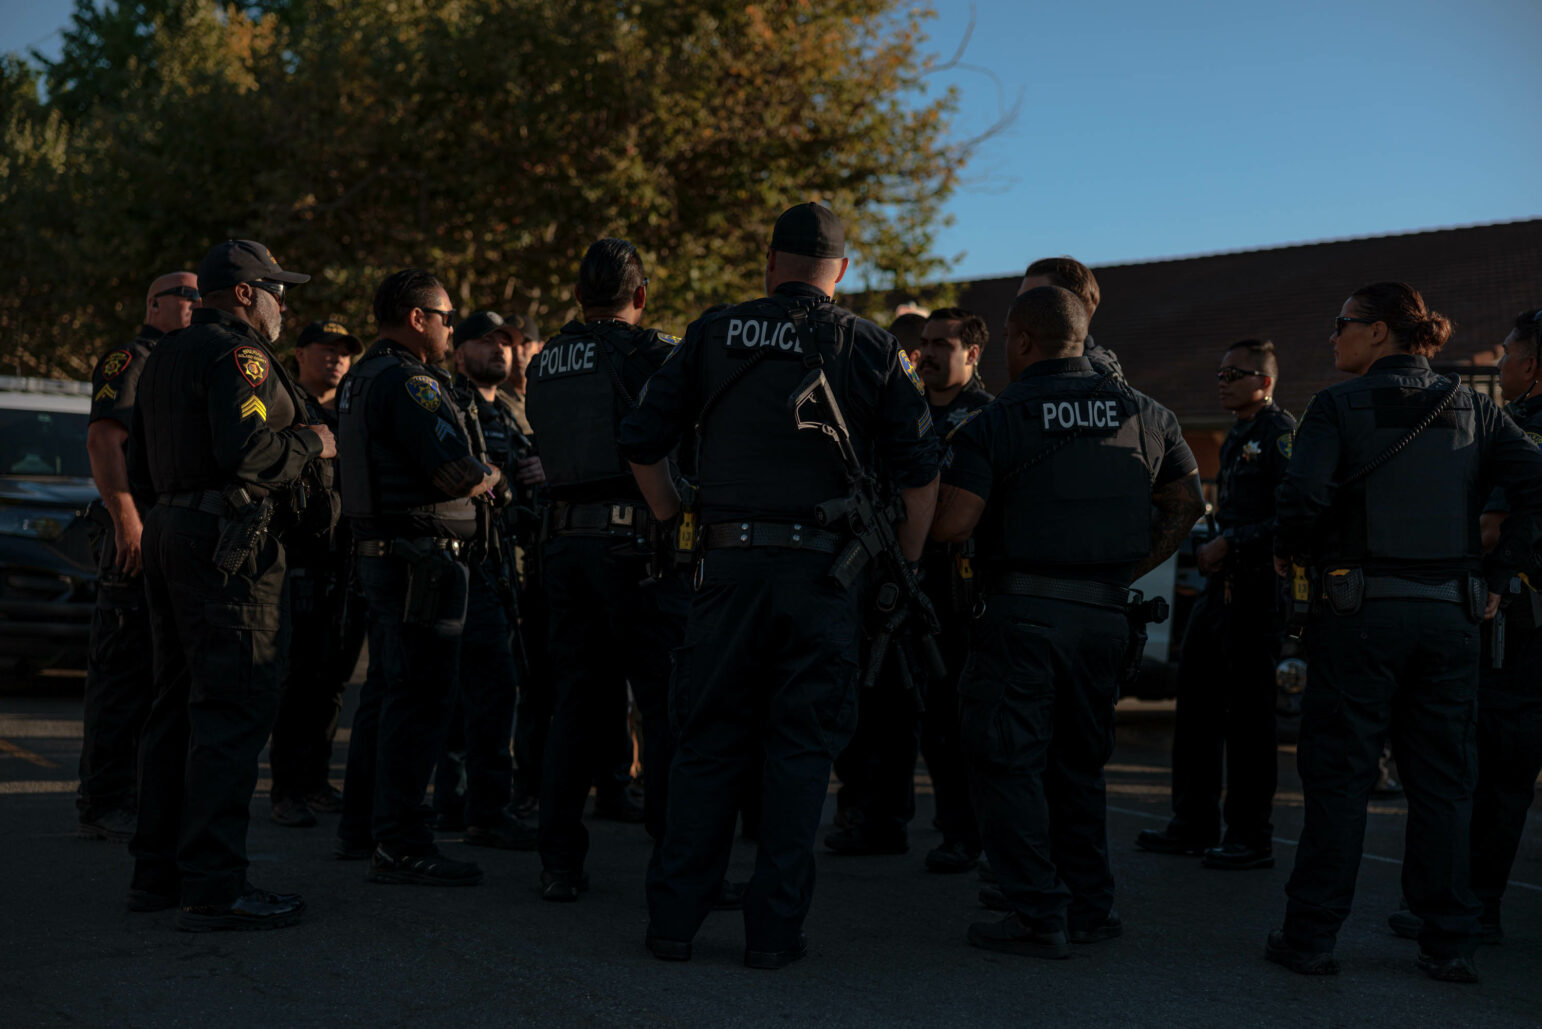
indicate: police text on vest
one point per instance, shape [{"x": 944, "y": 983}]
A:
[{"x": 1064, "y": 415}]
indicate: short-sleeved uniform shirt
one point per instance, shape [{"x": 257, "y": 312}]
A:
[
  {"x": 115, "y": 379},
  {"x": 997, "y": 446},
  {"x": 411, "y": 427}
]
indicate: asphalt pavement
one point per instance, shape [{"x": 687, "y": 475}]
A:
[{"x": 886, "y": 938}]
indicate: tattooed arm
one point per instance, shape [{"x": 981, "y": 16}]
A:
[
  {"x": 1175, "y": 508},
  {"x": 465, "y": 476}
]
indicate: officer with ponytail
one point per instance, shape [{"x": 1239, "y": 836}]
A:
[{"x": 1381, "y": 501}]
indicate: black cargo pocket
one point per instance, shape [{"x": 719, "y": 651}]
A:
[
  {"x": 239, "y": 652},
  {"x": 681, "y": 699}
]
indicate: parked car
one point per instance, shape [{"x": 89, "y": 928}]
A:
[{"x": 47, "y": 557}]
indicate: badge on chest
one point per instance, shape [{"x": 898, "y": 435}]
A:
[{"x": 566, "y": 357}]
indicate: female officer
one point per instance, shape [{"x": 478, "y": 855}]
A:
[{"x": 1381, "y": 501}]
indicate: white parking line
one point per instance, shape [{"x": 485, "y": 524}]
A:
[{"x": 1292, "y": 843}]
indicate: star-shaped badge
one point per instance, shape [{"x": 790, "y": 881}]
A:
[{"x": 1251, "y": 450}]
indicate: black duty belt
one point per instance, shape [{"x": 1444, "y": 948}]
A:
[
  {"x": 620, "y": 519},
  {"x": 398, "y": 547},
  {"x": 1076, "y": 591},
  {"x": 791, "y": 535},
  {"x": 1390, "y": 587},
  {"x": 206, "y": 500}
]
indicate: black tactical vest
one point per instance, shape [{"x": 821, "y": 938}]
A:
[
  {"x": 378, "y": 483},
  {"x": 1417, "y": 506},
  {"x": 575, "y": 400},
  {"x": 752, "y": 454},
  {"x": 1076, "y": 483}
]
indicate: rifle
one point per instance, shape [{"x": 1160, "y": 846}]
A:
[{"x": 900, "y": 599}]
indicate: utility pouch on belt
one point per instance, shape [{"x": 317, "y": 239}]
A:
[
  {"x": 685, "y": 527},
  {"x": 1477, "y": 597},
  {"x": 1345, "y": 590},
  {"x": 429, "y": 572},
  {"x": 242, "y": 533},
  {"x": 1303, "y": 589}
]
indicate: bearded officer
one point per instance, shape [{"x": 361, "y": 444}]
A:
[
  {"x": 410, "y": 488},
  {"x": 1058, "y": 479},
  {"x": 220, "y": 440},
  {"x": 582, "y": 383},
  {"x": 768, "y": 672}
]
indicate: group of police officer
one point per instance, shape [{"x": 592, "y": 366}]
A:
[{"x": 728, "y": 518}]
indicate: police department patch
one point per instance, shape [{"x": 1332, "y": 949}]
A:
[
  {"x": 114, "y": 363},
  {"x": 424, "y": 391},
  {"x": 1285, "y": 444},
  {"x": 1535, "y": 437},
  {"x": 253, "y": 365},
  {"x": 911, "y": 373}
]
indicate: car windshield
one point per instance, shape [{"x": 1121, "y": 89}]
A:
[{"x": 43, "y": 443}]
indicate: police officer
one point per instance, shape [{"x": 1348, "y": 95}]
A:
[
  {"x": 119, "y": 684},
  {"x": 1509, "y": 695},
  {"x": 411, "y": 488},
  {"x": 768, "y": 671},
  {"x": 328, "y": 630},
  {"x": 220, "y": 440},
  {"x": 1232, "y": 644},
  {"x": 1382, "y": 498},
  {"x": 1057, "y": 481},
  {"x": 482, "y": 718},
  {"x": 1069, "y": 273},
  {"x": 612, "y": 622},
  {"x": 880, "y": 762}
]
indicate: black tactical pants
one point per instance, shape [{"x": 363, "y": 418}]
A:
[
  {"x": 312, "y": 696},
  {"x": 477, "y": 744},
  {"x": 120, "y": 685},
  {"x": 609, "y": 626},
  {"x": 877, "y": 768},
  {"x": 768, "y": 673},
  {"x": 1226, "y": 694},
  {"x": 1037, "y": 718},
  {"x": 537, "y": 692},
  {"x": 942, "y": 744},
  {"x": 218, "y": 646},
  {"x": 404, "y": 707},
  {"x": 1408, "y": 667},
  {"x": 1509, "y": 761}
]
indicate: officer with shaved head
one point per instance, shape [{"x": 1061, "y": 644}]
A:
[{"x": 119, "y": 683}]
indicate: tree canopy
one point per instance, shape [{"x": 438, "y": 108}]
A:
[{"x": 488, "y": 140}]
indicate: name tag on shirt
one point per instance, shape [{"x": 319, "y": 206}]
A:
[
  {"x": 570, "y": 357},
  {"x": 1085, "y": 415}
]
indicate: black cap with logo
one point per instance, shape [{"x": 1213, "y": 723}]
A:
[
  {"x": 241, "y": 260},
  {"x": 330, "y": 332},
  {"x": 483, "y": 322},
  {"x": 809, "y": 230}
]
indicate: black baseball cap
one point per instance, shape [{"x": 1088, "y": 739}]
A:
[
  {"x": 329, "y": 332},
  {"x": 241, "y": 260},
  {"x": 809, "y": 230},
  {"x": 483, "y": 322}
]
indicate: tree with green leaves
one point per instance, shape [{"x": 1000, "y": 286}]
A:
[{"x": 488, "y": 140}]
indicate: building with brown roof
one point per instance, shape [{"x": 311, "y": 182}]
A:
[{"x": 1170, "y": 320}]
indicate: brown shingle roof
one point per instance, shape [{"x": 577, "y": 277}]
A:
[{"x": 1170, "y": 320}]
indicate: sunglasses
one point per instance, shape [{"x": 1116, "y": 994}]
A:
[
  {"x": 448, "y": 316},
  {"x": 1230, "y": 374},
  {"x": 1340, "y": 322},
  {"x": 185, "y": 292},
  {"x": 275, "y": 288}
]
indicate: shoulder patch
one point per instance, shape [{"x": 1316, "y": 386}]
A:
[
  {"x": 911, "y": 373},
  {"x": 424, "y": 391},
  {"x": 114, "y": 363},
  {"x": 1285, "y": 444},
  {"x": 666, "y": 338},
  {"x": 105, "y": 393},
  {"x": 971, "y": 416},
  {"x": 253, "y": 365},
  {"x": 1535, "y": 437}
]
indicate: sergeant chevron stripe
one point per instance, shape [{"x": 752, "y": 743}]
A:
[{"x": 253, "y": 406}]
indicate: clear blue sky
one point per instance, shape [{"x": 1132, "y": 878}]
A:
[{"x": 1162, "y": 129}]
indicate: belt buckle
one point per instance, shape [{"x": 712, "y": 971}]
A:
[{"x": 621, "y": 514}]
